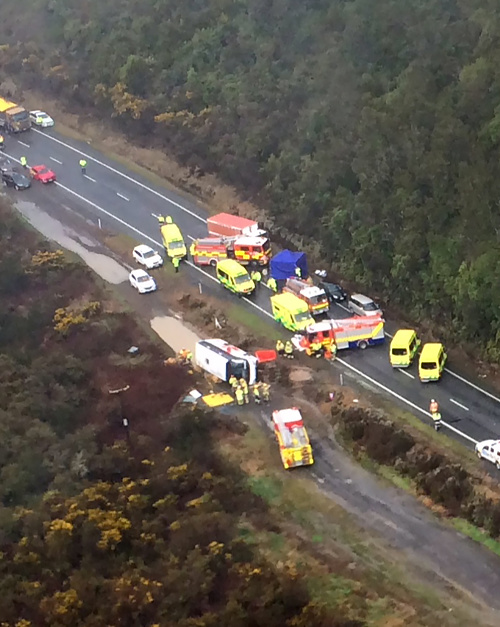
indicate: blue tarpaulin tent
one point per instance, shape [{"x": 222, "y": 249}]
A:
[{"x": 283, "y": 265}]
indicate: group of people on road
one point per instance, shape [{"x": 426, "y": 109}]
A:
[{"x": 261, "y": 391}]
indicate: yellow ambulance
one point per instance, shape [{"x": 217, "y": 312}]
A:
[
  {"x": 173, "y": 242},
  {"x": 403, "y": 348},
  {"x": 291, "y": 311},
  {"x": 431, "y": 362},
  {"x": 234, "y": 277}
]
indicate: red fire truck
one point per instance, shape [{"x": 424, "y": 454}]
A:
[
  {"x": 314, "y": 296},
  {"x": 295, "y": 447},
  {"x": 246, "y": 250},
  {"x": 355, "y": 332}
]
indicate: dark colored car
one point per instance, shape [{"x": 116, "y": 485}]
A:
[
  {"x": 335, "y": 292},
  {"x": 15, "y": 180}
]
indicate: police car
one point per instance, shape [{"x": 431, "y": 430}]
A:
[
  {"x": 490, "y": 450},
  {"x": 40, "y": 118}
]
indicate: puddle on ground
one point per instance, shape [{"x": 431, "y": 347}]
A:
[
  {"x": 106, "y": 267},
  {"x": 173, "y": 332}
]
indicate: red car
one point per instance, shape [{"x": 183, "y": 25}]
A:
[{"x": 43, "y": 174}]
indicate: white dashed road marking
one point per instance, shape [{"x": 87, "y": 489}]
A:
[
  {"x": 452, "y": 400},
  {"x": 408, "y": 374},
  {"x": 23, "y": 144},
  {"x": 89, "y": 178},
  {"x": 56, "y": 160},
  {"x": 122, "y": 196}
]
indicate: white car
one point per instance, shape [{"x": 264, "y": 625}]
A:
[
  {"x": 142, "y": 281},
  {"x": 146, "y": 256},
  {"x": 40, "y": 118},
  {"x": 490, "y": 450}
]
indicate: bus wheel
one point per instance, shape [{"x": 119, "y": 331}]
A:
[{"x": 362, "y": 344}]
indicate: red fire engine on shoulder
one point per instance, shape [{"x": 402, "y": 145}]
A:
[
  {"x": 355, "y": 332},
  {"x": 245, "y": 249},
  {"x": 292, "y": 437}
]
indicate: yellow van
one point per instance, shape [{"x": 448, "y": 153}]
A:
[
  {"x": 431, "y": 362},
  {"x": 404, "y": 347},
  {"x": 234, "y": 277},
  {"x": 291, "y": 311},
  {"x": 173, "y": 241}
]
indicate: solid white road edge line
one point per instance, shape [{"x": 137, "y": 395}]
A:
[
  {"x": 56, "y": 160},
  {"x": 452, "y": 400},
  {"x": 125, "y": 176},
  {"x": 122, "y": 196},
  {"x": 405, "y": 400}
]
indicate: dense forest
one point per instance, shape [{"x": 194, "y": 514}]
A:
[
  {"x": 100, "y": 526},
  {"x": 371, "y": 127}
]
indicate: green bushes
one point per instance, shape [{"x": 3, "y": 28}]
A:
[{"x": 447, "y": 484}]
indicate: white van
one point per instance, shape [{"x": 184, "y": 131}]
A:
[
  {"x": 363, "y": 306},
  {"x": 221, "y": 359}
]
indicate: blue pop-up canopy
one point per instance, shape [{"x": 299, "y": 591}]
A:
[{"x": 283, "y": 265}]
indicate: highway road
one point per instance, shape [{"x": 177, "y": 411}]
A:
[{"x": 127, "y": 202}]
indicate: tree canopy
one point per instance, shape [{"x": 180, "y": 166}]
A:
[{"x": 371, "y": 127}]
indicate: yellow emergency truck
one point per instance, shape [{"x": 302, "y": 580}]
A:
[
  {"x": 234, "y": 277},
  {"x": 291, "y": 311},
  {"x": 295, "y": 447},
  {"x": 173, "y": 241},
  {"x": 431, "y": 362},
  {"x": 404, "y": 347}
]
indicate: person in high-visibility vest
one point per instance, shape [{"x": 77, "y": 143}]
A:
[
  {"x": 244, "y": 387},
  {"x": 280, "y": 347},
  {"x": 256, "y": 277},
  {"x": 176, "y": 262},
  {"x": 298, "y": 272},
  {"x": 436, "y": 416},
  {"x": 240, "y": 397},
  {"x": 23, "y": 161},
  {"x": 272, "y": 285},
  {"x": 256, "y": 393},
  {"x": 168, "y": 220},
  {"x": 288, "y": 349},
  {"x": 266, "y": 391},
  {"x": 233, "y": 382},
  {"x": 2, "y": 142},
  {"x": 315, "y": 349},
  {"x": 83, "y": 165}
]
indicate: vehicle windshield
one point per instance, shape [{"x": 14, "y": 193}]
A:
[
  {"x": 320, "y": 299},
  {"x": 428, "y": 365},
  {"x": 371, "y": 306},
  {"x": 176, "y": 244},
  {"x": 19, "y": 117},
  {"x": 241, "y": 278},
  {"x": 44, "y": 116},
  {"x": 149, "y": 254},
  {"x": 143, "y": 278},
  {"x": 18, "y": 178},
  {"x": 399, "y": 351},
  {"x": 42, "y": 170},
  {"x": 301, "y": 317}
]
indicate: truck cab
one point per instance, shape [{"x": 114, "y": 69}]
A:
[{"x": 315, "y": 297}]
